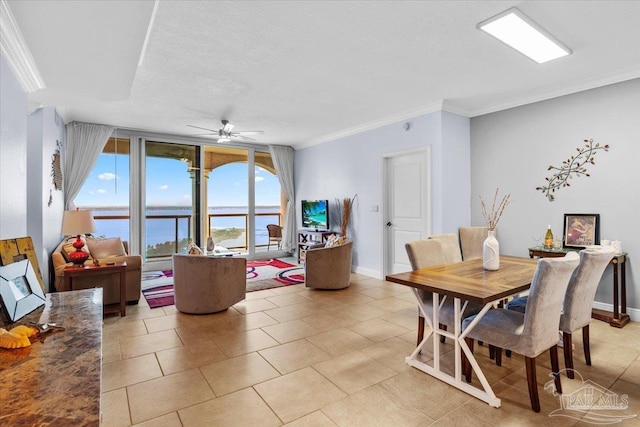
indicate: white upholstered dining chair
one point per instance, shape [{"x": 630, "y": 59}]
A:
[
  {"x": 578, "y": 302},
  {"x": 450, "y": 247},
  {"x": 429, "y": 253},
  {"x": 471, "y": 240},
  {"x": 533, "y": 332}
]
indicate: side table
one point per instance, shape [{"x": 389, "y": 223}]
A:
[
  {"x": 619, "y": 317},
  {"x": 96, "y": 270}
]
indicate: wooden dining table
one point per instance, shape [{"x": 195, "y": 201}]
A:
[{"x": 463, "y": 281}]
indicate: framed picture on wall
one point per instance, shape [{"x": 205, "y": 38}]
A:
[{"x": 581, "y": 230}]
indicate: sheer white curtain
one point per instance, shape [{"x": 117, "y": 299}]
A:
[
  {"x": 282, "y": 157},
  {"x": 85, "y": 142}
]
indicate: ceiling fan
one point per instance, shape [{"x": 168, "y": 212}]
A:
[{"x": 225, "y": 134}]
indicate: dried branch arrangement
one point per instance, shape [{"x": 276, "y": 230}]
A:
[
  {"x": 344, "y": 210},
  {"x": 574, "y": 166},
  {"x": 492, "y": 218}
]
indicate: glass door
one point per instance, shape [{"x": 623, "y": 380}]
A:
[
  {"x": 172, "y": 209},
  {"x": 227, "y": 198}
]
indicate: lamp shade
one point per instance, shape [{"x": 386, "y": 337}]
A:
[{"x": 77, "y": 222}]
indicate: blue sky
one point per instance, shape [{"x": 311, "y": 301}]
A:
[{"x": 169, "y": 184}]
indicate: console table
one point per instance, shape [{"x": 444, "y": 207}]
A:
[
  {"x": 619, "y": 317},
  {"x": 56, "y": 380}
]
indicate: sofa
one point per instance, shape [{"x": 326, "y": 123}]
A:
[
  {"x": 104, "y": 250},
  {"x": 328, "y": 267}
]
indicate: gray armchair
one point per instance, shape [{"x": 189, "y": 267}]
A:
[
  {"x": 328, "y": 268},
  {"x": 205, "y": 284}
]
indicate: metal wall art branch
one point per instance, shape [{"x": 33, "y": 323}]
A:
[{"x": 574, "y": 166}]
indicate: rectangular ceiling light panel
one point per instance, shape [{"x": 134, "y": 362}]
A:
[{"x": 515, "y": 29}]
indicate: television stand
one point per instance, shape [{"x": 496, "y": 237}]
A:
[{"x": 308, "y": 239}]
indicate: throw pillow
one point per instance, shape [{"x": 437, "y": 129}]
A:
[
  {"x": 193, "y": 249},
  {"x": 331, "y": 241},
  {"x": 106, "y": 248}
]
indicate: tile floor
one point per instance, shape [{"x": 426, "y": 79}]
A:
[{"x": 299, "y": 357}]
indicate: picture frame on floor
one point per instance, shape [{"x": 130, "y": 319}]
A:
[{"x": 20, "y": 291}]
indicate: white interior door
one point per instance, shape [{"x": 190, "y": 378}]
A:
[{"x": 406, "y": 206}]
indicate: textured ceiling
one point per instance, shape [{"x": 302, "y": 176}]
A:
[{"x": 308, "y": 71}]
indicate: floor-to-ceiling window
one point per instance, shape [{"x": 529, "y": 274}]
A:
[
  {"x": 270, "y": 201},
  {"x": 172, "y": 193},
  {"x": 171, "y": 198},
  {"x": 235, "y": 219},
  {"x": 106, "y": 190}
]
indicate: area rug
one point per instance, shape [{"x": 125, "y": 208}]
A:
[{"x": 157, "y": 286}]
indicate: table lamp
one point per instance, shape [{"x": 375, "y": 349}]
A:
[{"x": 78, "y": 222}]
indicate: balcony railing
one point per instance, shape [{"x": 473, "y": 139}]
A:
[{"x": 180, "y": 234}]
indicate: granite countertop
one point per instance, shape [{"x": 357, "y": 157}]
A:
[{"x": 56, "y": 380}]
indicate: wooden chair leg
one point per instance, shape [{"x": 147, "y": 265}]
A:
[
  {"x": 530, "y": 363},
  {"x": 467, "y": 370},
  {"x": 492, "y": 352},
  {"x": 444, "y": 328},
  {"x": 585, "y": 345},
  {"x": 498, "y": 356},
  {"x": 555, "y": 367},
  {"x": 568, "y": 354},
  {"x": 420, "y": 329},
  {"x": 507, "y": 353}
]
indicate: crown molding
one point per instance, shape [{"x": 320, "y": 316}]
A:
[
  {"x": 619, "y": 77},
  {"x": 395, "y": 118},
  {"x": 15, "y": 50}
]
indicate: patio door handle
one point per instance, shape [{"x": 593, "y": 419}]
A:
[{"x": 389, "y": 224}]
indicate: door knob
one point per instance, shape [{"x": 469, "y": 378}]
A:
[{"x": 389, "y": 224}]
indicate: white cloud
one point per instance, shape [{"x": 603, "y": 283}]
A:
[
  {"x": 164, "y": 187},
  {"x": 259, "y": 178},
  {"x": 107, "y": 176},
  {"x": 101, "y": 191},
  {"x": 187, "y": 197}
]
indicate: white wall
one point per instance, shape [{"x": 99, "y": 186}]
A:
[
  {"x": 512, "y": 149},
  {"x": 353, "y": 165},
  {"x": 45, "y": 128},
  {"x": 13, "y": 155}
]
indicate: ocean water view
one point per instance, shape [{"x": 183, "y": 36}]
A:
[{"x": 162, "y": 230}]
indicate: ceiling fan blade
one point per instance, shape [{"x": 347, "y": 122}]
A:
[
  {"x": 198, "y": 127},
  {"x": 248, "y": 132},
  {"x": 212, "y": 135},
  {"x": 237, "y": 135}
]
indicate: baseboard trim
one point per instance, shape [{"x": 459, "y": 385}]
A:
[{"x": 634, "y": 313}]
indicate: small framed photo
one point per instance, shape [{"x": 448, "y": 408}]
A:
[
  {"x": 581, "y": 230},
  {"x": 20, "y": 291}
]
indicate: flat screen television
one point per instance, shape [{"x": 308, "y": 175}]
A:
[{"x": 315, "y": 214}]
